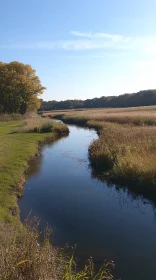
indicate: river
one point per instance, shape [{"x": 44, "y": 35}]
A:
[{"x": 103, "y": 220}]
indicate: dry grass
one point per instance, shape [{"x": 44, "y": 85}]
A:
[
  {"x": 10, "y": 117},
  {"x": 40, "y": 125},
  {"x": 126, "y": 152},
  {"x": 23, "y": 257},
  {"x": 126, "y": 148},
  {"x": 135, "y": 115}
]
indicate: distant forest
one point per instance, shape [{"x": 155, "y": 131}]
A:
[{"x": 141, "y": 98}]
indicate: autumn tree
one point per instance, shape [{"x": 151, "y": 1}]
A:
[{"x": 19, "y": 88}]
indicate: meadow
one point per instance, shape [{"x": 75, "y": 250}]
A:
[{"x": 126, "y": 149}]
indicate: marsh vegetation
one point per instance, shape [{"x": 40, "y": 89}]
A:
[{"x": 126, "y": 148}]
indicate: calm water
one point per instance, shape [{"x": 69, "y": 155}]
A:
[{"x": 104, "y": 222}]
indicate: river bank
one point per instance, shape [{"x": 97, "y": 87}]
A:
[
  {"x": 22, "y": 253},
  {"x": 126, "y": 149},
  {"x": 17, "y": 149},
  {"x": 105, "y": 221}
]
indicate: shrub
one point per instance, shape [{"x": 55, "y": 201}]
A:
[{"x": 46, "y": 127}]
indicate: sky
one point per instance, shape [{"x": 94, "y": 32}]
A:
[{"x": 82, "y": 48}]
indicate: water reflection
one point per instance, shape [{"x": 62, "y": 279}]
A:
[
  {"x": 132, "y": 191},
  {"x": 125, "y": 196},
  {"x": 35, "y": 167}
]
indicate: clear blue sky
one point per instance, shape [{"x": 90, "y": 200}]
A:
[{"x": 82, "y": 48}]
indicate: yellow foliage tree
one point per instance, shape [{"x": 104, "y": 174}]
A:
[{"x": 19, "y": 88}]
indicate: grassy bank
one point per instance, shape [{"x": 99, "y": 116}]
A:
[
  {"x": 126, "y": 149},
  {"x": 19, "y": 143},
  {"x": 22, "y": 254}
]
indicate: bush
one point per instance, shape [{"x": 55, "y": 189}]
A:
[{"x": 46, "y": 127}]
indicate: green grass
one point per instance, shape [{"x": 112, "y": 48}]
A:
[{"x": 16, "y": 149}]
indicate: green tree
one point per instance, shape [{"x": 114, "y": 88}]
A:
[{"x": 19, "y": 88}]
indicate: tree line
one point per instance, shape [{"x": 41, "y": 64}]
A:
[
  {"x": 141, "y": 98},
  {"x": 19, "y": 88}
]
